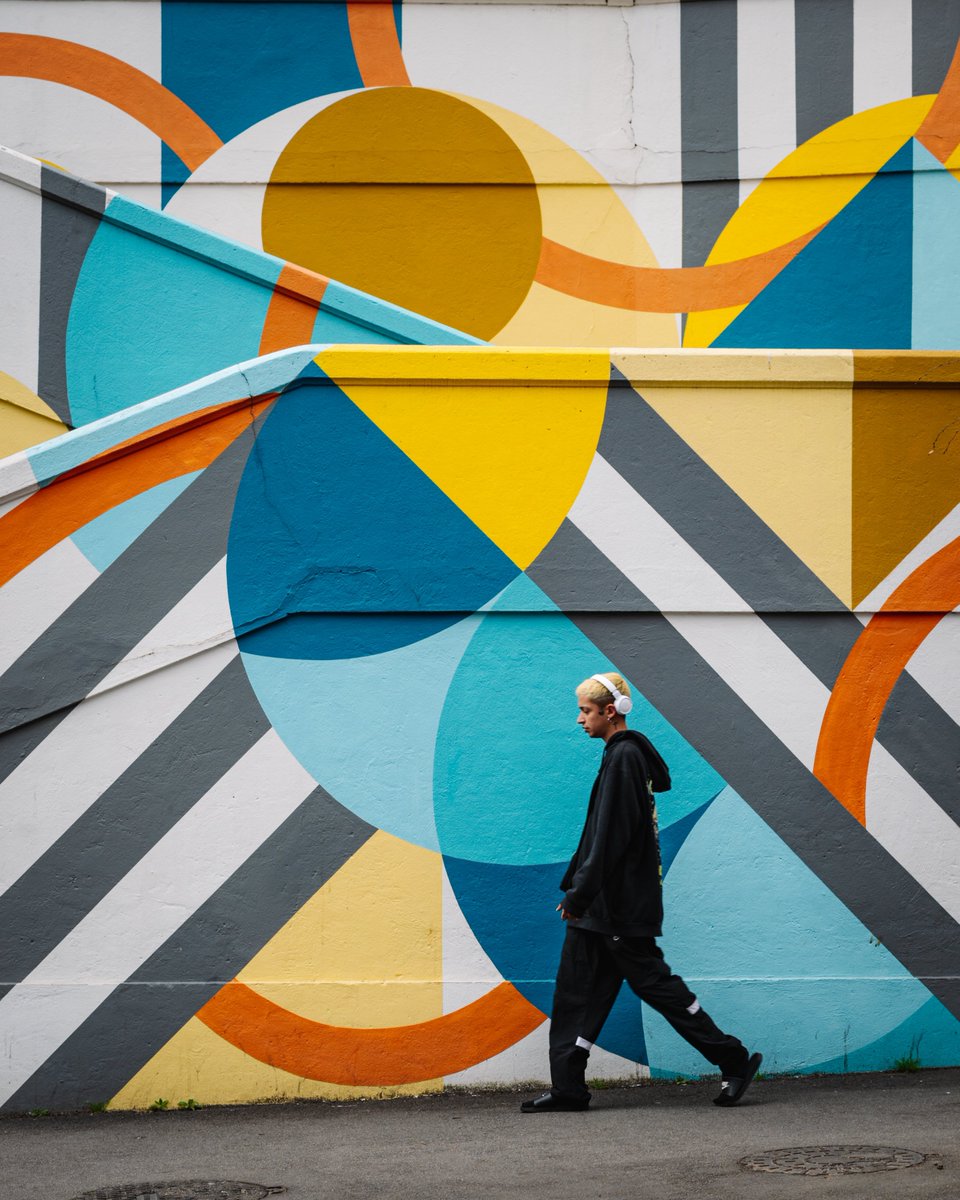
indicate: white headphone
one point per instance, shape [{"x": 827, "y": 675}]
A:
[{"x": 621, "y": 703}]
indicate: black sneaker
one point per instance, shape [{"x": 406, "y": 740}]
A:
[{"x": 733, "y": 1087}]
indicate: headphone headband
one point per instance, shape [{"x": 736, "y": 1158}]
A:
[{"x": 623, "y": 704}]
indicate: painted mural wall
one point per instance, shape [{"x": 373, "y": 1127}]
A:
[
  {"x": 289, "y": 631},
  {"x": 290, "y": 767},
  {"x": 735, "y": 172}
]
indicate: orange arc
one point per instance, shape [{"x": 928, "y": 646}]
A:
[
  {"x": 125, "y": 87},
  {"x": 663, "y": 289},
  {"x": 940, "y": 131},
  {"x": 872, "y": 668},
  {"x": 293, "y": 309},
  {"x": 373, "y": 31},
  {"x": 370, "y": 1057},
  {"x": 59, "y": 510}
]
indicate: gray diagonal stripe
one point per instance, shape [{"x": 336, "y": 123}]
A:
[
  {"x": 188, "y": 758},
  {"x": 208, "y": 950},
  {"x": 774, "y": 581},
  {"x": 792, "y": 801},
  {"x": 120, "y": 608}
]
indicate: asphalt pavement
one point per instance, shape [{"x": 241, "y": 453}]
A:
[{"x": 663, "y": 1140}]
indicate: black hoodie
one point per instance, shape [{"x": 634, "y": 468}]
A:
[{"x": 613, "y": 883}]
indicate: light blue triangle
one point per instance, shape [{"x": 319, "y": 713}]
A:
[{"x": 936, "y": 254}]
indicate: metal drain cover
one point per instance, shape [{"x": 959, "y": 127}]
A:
[
  {"x": 832, "y": 1160},
  {"x": 183, "y": 1189}
]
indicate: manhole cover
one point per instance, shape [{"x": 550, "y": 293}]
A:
[
  {"x": 183, "y": 1189},
  {"x": 832, "y": 1160}
]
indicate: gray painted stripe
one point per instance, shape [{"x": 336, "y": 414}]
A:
[
  {"x": 936, "y": 28},
  {"x": 868, "y": 880},
  {"x": 824, "y": 61},
  {"x": 208, "y": 950},
  {"x": 774, "y": 581},
  {"x": 155, "y": 791},
  {"x": 120, "y": 608},
  {"x": 67, "y": 228},
  {"x": 571, "y": 566},
  {"x": 708, "y": 123}
]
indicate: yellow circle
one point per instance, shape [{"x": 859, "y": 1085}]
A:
[{"x": 413, "y": 196}]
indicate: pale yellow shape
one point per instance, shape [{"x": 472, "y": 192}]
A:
[
  {"x": 807, "y": 189},
  {"x": 367, "y": 948},
  {"x": 735, "y": 368},
  {"x": 365, "y": 951},
  {"x": 25, "y": 419},
  {"x": 512, "y": 455},
  {"x": 572, "y": 322},
  {"x": 787, "y": 453},
  {"x": 579, "y": 209}
]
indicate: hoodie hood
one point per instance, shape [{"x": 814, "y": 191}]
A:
[{"x": 659, "y": 771}]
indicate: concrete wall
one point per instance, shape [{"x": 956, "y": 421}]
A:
[{"x": 290, "y": 768}]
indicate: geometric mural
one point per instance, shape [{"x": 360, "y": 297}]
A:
[{"x": 326, "y": 482}]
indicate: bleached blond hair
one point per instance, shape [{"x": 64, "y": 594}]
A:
[{"x": 592, "y": 689}]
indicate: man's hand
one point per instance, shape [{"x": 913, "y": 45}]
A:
[{"x": 564, "y": 915}]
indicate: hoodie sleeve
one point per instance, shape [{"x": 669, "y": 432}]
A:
[{"x": 619, "y": 819}]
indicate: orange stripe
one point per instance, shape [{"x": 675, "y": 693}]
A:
[
  {"x": 940, "y": 131},
  {"x": 293, "y": 309},
  {"x": 132, "y": 91},
  {"x": 393, "y": 1055},
  {"x": 663, "y": 289},
  {"x": 871, "y": 670},
  {"x": 376, "y": 44},
  {"x": 57, "y": 511}
]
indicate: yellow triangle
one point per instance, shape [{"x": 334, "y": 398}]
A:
[
  {"x": 507, "y": 435},
  {"x": 365, "y": 950}
]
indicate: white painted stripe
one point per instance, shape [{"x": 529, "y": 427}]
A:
[
  {"x": 103, "y": 735},
  {"x": 882, "y": 52},
  {"x": 766, "y": 675},
  {"x": 941, "y": 535},
  {"x": 20, "y": 213},
  {"x": 200, "y": 621},
  {"x": 914, "y": 829},
  {"x": 38, "y": 595},
  {"x": 646, "y": 548},
  {"x": 148, "y": 905},
  {"x": 766, "y": 87},
  {"x": 654, "y": 44},
  {"x": 936, "y": 664},
  {"x": 468, "y": 972}
]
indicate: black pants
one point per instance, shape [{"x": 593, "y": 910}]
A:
[{"x": 592, "y": 969}]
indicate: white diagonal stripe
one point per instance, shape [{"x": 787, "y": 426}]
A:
[
  {"x": 914, "y": 829},
  {"x": 148, "y": 905},
  {"x": 93, "y": 745},
  {"x": 646, "y": 548},
  {"x": 33, "y": 599}
]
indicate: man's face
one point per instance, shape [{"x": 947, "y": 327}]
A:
[{"x": 592, "y": 717}]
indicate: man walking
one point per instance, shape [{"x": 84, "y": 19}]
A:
[{"x": 613, "y": 909}]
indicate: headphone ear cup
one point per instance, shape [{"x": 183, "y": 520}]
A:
[{"x": 623, "y": 705}]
